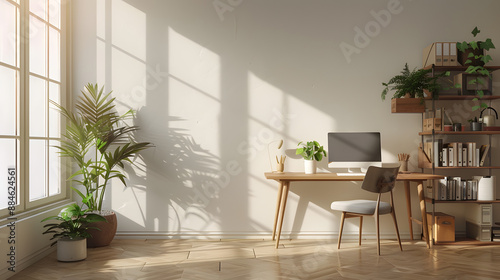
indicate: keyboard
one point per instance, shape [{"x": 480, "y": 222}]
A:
[{"x": 351, "y": 174}]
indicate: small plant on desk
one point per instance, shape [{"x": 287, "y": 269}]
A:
[{"x": 311, "y": 151}]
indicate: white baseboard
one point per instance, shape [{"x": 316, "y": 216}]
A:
[
  {"x": 209, "y": 235},
  {"x": 26, "y": 262}
]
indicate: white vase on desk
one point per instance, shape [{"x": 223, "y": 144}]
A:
[{"x": 310, "y": 166}]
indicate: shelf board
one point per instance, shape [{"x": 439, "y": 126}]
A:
[
  {"x": 457, "y": 68},
  {"x": 463, "y": 97},
  {"x": 468, "y": 241},
  {"x": 483, "y": 132},
  {"x": 463, "y": 201},
  {"x": 464, "y": 167}
]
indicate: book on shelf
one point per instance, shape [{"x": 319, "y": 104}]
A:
[
  {"x": 433, "y": 54},
  {"x": 483, "y": 153}
]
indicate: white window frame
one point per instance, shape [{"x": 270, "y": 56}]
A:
[{"x": 24, "y": 203}]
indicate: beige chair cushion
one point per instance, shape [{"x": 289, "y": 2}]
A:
[{"x": 361, "y": 206}]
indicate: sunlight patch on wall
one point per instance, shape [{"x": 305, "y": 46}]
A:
[
  {"x": 199, "y": 114},
  {"x": 129, "y": 202},
  {"x": 128, "y": 29},
  {"x": 264, "y": 99},
  {"x": 127, "y": 81},
  {"x": 267, "y": 123},
  {"x": 194, "y": 64},
  {"x": 100, "y": 63},
  {"x": 101, "y": 19},
  {"x": 310, "y": 123},
  {"x": 194, "y": 91}
]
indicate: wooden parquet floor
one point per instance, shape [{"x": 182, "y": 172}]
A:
[{"x": 258, "y": 259}]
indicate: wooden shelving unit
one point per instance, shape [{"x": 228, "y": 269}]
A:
[{"x": 430, "y": 167}]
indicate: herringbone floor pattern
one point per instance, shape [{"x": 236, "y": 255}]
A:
[{"x": 258, "y": 259}]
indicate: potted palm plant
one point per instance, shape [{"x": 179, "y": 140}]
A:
[
  {"x": 311, "y": 151},
  {"x": 99, "y": 142},
  {"x": 409, "y": 87},
  {"x": 70, "y": 232}
]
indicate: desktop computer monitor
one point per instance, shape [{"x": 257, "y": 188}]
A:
[{"x": 355, "y": 151}]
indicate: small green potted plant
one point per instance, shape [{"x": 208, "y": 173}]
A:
[
  {"x": 311, "y": 151},
  {"x": 411, "y": 85},
  {"x": 472, "y": 54},
  {"x": 71, "y": 232},
  {"x": 475, "y": 125}
]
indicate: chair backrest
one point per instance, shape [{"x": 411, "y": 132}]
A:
[{"x": 380, "y": 179}]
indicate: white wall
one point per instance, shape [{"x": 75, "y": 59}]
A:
[{"x": 213, "y": 82}]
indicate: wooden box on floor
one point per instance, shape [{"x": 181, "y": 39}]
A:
[{"x": 444, "y": 227}]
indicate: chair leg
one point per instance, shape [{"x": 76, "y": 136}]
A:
[
  {"x": 341, "y": 229},
  {"x": 397, "y": 230},
  {"x": 377, "y": 222},
  {"x": 360, "y": 228}
]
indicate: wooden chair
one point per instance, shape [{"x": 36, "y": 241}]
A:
[{"x": 377, "y": 180}]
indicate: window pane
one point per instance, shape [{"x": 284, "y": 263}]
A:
[
  {"x": 8, "y": 151},
  {"x": 54, "y": 115},
  {"x": 55, "y": 13},
  {"x": 8, "y": 33},
  {"x": 54, "y": 55},
  {"x": 8, "y": 106},
  {"x": 38, "y": 105},
  {"x": 38, "y": 46},
  {"x": 37, "y": 169},
  {"x": 54, "y": 168},
  {"x": 39, "y": 8}
]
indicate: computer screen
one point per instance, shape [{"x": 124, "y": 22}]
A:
[{"x": 354, "y": 150}]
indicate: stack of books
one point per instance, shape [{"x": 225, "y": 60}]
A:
[
  {"x": 456, "y": 154},
  {"x": 455, "y": 188}
]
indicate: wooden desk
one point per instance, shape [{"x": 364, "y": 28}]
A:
[{"x": 287, "y": 177}]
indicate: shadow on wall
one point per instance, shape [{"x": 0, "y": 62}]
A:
[{"x": 177, "y": 174}]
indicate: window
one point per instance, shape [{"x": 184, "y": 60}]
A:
[{"x": 32, "y": 73}]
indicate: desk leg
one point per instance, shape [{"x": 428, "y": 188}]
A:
[
  {"x": 408, "y": 207},
  {"x": 278, "y": 204},
  {"x": 286, "y": 186},
  {"x": 423, "y": 209}
]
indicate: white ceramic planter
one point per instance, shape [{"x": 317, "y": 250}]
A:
[
  {"x": 71, "y": 250},
  {"x": 310, "y": 166}
]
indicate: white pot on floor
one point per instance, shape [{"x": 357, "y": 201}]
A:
[
  {"x": 71, "y": 250},
  {"x": 310, "y": 166}
]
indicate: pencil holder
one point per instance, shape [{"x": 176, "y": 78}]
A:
[
  {"x": 280, "y": 167},
  {"x": 403, "y": 165}
]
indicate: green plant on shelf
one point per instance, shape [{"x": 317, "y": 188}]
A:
[
  {"x": 413, "y": 83},
  {"x": 476, "y": 53}
]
